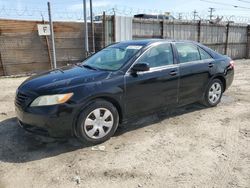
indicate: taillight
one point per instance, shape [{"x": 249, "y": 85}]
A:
[{"x": 231, "y": 65}]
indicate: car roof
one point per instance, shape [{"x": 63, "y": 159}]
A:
[{"x": 146, "y": 42}]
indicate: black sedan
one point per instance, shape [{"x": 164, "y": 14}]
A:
[{"x": 90, "y": 99}]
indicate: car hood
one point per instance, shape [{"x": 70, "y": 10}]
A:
[{"x": 62, "y": 78}]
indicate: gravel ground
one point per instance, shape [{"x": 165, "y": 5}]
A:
[{"x": 190, "y": 147}]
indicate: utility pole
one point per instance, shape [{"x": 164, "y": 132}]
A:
[
  {"x": 211, "y": 11},
  {"x": 179, "y": 16},
  {"x": 92, "y": 26},
  {"x": 52, "y": 35},
  {"x": 85, "y": 28},
  {"x": 195, "y": 14},
  {"x": 113, "y": 9}
]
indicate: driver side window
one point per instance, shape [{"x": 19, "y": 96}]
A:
[{"x": 158, "y": 56}]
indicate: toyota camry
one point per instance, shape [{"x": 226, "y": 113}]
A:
[{"x": 122, "y": 81}]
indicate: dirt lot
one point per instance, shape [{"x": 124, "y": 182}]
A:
[{"x": 190, "y": 147}]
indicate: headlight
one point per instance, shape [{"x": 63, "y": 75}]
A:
[{"x": 47, "y": 100}]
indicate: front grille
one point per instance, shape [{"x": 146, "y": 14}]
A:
[{"x": 21, "y": 99}]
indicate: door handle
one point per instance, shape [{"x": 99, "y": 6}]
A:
[
  {"x": 210, "y": 65},
  {"x": 173, "y": 72}
]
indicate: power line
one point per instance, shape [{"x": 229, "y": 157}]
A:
[
  {"x": 225, "y": 4},
  {"x": 244, "y": 1},
  {"x": 70, "y": 15}
]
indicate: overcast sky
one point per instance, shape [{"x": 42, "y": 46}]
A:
[{"x": 222, "y": 7}]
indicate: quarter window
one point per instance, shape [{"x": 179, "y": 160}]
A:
[
  {"x": 204, "y": 54},
  {"x": 157, "y": 56},
  {"x": 187, "y": 52}
]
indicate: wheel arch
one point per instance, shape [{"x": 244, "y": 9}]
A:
[
  {"x": 222, "y": 79},
  {"x": 113, "y": 101}
]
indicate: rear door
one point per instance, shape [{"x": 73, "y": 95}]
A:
[
  {"x": 196, "y": 66},
  {"x": 155, "y": 88}
]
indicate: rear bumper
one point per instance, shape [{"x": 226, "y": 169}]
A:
[
  {"x": 47, "y": 121},
  {"x": 229, "y": 78}
]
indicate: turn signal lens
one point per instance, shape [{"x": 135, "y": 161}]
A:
[{"x": 64, "y": 98}]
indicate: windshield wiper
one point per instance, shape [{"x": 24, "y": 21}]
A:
[
  {"x": 89, "y": 67},
  {"x": 58, "y": 69},
  {"x": 86, "y": 66}
]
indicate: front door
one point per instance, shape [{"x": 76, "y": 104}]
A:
[{"x": 156, "y": 88}]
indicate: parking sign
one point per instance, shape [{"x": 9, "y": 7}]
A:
[{"x": 43, "y": 29}]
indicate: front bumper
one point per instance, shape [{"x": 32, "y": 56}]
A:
[
  {"x": 54, "y": 121},
  {"x": 33, "y": 129}
]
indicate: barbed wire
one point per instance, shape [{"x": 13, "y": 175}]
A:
[{"x": 70, "y": 15}]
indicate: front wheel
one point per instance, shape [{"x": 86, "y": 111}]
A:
[
  {"x": 213, "y": 93},
  {"x": 98, "y": 122}
]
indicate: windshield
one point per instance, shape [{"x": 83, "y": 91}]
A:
[{"x": 112, "y": 58}]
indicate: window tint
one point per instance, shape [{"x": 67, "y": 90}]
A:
[
  {"x": 187, "y": 52},
  {"x": 204, "y": 54},
  {"x": 157, "y": 56}
]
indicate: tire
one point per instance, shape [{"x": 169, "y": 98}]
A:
[
  {"x": 97, "y": 122},
  {"x": 213, "y": 93}
]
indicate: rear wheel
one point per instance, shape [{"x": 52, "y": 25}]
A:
[
  {"x": 98, "y": 122},
  {"x": 213, "y": 93}
]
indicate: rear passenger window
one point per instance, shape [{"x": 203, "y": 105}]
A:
[
  {"x": 187, "y": 52},
  {"x": 204, "y": 54},
  {"x": 158, "y": 56}
]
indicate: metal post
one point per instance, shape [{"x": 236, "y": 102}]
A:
[
  {"x": 163, "y": 24},
  {"x": 113, "y": 29},
  {"x": 86, "y": 28},
  {"x": 248, "y": 42},
  {"x": 52, "y": 36},
  {"x": 103, "y": 29},
  {"x": 114, "y": 26},
  {"x": 3, "y": 66},
  {"x": 199, "y": 31},
  {"x": 92, "y": 26},
  {"x": 162, "y": 28},
  {"x": 173, "y": 29},
  {"x": 227, "y": 37},
  {"x": 48, "y": 46}
]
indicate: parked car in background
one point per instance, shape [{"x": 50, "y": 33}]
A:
[{"x": 124, "y": 80}]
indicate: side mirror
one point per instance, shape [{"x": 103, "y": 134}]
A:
[{"x": 140, "y": 67}]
